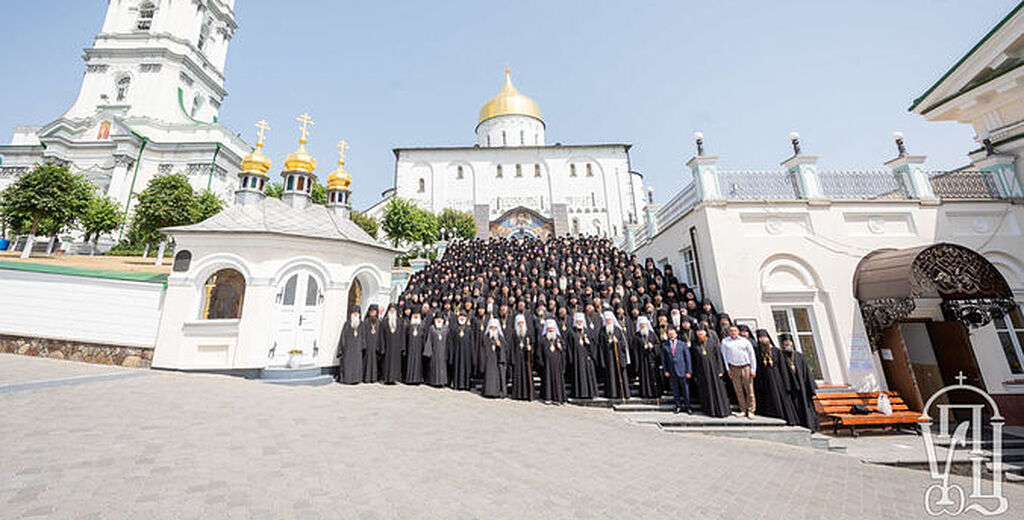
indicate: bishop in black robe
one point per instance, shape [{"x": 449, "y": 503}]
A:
[
  {"x": 350, "y": 351},
  {"x": 415, "y": 336},
  {"x": 801, "y": 384},
  {"x": 614, "y": 347},
  {"x": 492, "y": 348},
  {"x": 435, "y": 349},
  {"x": 370, "y": 331},
  {"x": 552, "y": 355},
  {"x": 393, "y": 341},
  {"x": 461, "y": 353},
  {"x": 583, "y": 353},
  {"x": 521, "y": 354},
  {"x": 770, "y": 382},
  {"x": 647, "y": 352},
  {"x": 709, "y": 367}
]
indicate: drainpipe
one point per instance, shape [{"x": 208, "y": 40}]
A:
[
  {"x": 209, "y": 179},
  {"x": 131, "y": 188},
  {"x": 696, "y": 261}
]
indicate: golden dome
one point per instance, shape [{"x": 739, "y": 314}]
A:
[
  {"x": 299, "y": 160},
  {"x": 256, "y": 163},
  {"x": 509, "y": 102},
  {"x": 340, "y": 179}
]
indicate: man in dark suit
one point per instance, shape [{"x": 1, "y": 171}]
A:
[{"x": 675, "y": 361}]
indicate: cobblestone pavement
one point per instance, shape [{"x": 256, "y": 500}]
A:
[{"x": 173, "y": 445}]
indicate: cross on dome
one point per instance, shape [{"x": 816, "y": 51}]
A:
[
  {"x": 342, "y": 146},
  {"x": 304, "y": 120},
  {"x": 261, "y": 131}
]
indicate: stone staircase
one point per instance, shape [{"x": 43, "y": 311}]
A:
[{"x": 305, "y": 375}]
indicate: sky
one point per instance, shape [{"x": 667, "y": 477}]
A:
[{"x": 393, "y": 74}]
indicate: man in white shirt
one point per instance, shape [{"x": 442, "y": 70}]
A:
[{"x": 738, "y": 354}]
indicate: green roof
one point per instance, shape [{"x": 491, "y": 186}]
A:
[
  {"x": 159, "y": 278},
  {"x": 965, "y": 56}
]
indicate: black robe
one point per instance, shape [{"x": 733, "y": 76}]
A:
[
  {"x": 521, "y": 354},
  {"x": 707, "y": 365},
  {"x": 415, "y": 337},
  {"x": 461, "y": 355},
  {"x": 770, "y": 386},
  {"x": 552, "y": 361},
  {"x": 371, "y": 349},
  {"x": 393, "y": 342},
  {"x": 584, "y": 366},
  {"x": 614, "y": 362},
  {"x": 350, "y": 355},
  {"x": 492, "y": 349},
  {"x": 435, "y": 349},
  {"x": 647, "y": 353},
  {"x": 801, "y": 389}
]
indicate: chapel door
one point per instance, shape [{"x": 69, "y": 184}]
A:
[
  {"x": 955, "y": 356},
  {"x": 896, "y": 367},
  {"x": 298, "y": 316}
]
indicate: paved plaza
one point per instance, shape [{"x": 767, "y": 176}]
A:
[{"x": 149, "y": 444}]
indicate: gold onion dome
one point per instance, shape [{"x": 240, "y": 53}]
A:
[
  {"x": 256, "y": 163},
  {"x": 300, "y": 160},
  {"x": 340, "y": 179},
  {"x": 509, "y": 102}
]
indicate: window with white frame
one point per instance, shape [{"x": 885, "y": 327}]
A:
[
  {"x": 145, "y": 19},
  {"x": 1010, "y": 329},
  {"x": 799, "y": 322},
  {"x": 689, "y": 274}
]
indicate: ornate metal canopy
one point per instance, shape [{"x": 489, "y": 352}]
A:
[{"x": 888, "y": 282}]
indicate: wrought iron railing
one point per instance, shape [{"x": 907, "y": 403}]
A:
[
  {"x": 965, "y": 184},
  {"x": 861, "y": 185},
  {"x": 757, "y": 185}
]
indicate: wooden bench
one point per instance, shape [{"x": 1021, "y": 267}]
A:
[{"x": 836, "y": 408}]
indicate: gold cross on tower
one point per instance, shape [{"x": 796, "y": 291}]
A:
[
  {"x": 304, "y": 120},
  {"x": 261, "y": 131},
  {"x": 342, "y": 146}
]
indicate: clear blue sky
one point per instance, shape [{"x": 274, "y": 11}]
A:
[{"x": 391, "y": 74}]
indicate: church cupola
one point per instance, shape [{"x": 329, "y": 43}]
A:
[
  {"x": 338, "y": 186},
  {"x": 298, "y": 170},
  {"x": 510, "y": 119},
  {"x": 252, "y": 179}
]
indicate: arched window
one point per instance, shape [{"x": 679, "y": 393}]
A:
[
  {"x": 123, "y": 83},
  {"x": 458, "y": 173},
  {"x": 590, "y": 170},
  {"x": 572, "y": 170},
  {"x": 355, "y": 295},
  {"x": 223, "y": 294},
  {"x": 575, "y": 226},
  {"x": 536, "y": 170},
  {"x": 519, "y": 170},
  {"x": 498, "y": 171},
  {"x": 182, "y": 260},
  {"x": 422, "y": 186},
  {"x": 146, "y": 12}
]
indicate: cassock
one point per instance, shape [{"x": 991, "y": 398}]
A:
[
  {"x": 415, "y": 337},
  {"x": 552, "y": 356},
  {"x": 647, "y": 352},
  {"x": 770, "y": 385},
  {"x": 708, "y": 364},
  {"x": 492, "y": 348},
  {"x": 350, "y": 355},
  {"x": 393, "y": 341},
  {"x": 370, "y": 330},
  {"x": 521, "y": 354},
  {"x": 435, "y": 349},
  {"x": 584, "y": 366},
  {"x": 461, "y": 354},
  {"x": 801, "y": 388},
  {"x": 614, "y": 349}
]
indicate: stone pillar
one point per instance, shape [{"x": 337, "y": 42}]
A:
[
  {"x": 909, "y": 169},
  {"x": 803, "y": 169},
  {"x": 482, "y": 219},
  {"x": 560, "y": 219},
  {"x": 1003, "y": 173},
  {"x": 705, "y": 177},
  {"x": 630, "y": 242},
  {"x": 651, "y": 215}
]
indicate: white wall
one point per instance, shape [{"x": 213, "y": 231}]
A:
[{"x": 112, "y": 312}]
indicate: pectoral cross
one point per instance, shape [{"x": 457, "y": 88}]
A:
[
  {"x": 304, "y": 120},
  {"x": 261, "y": 132}
]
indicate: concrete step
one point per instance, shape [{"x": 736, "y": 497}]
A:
[
  {"x": 280, "y": 372},
  {"x": 824, "y": 442},
  {"x": 698, "y": 420},
  {"x": 640, "y": 407},
  {"x": 319, "y": 380},
  {"x": 601, "y": 402},
  {"x": 793, "y": 435}
]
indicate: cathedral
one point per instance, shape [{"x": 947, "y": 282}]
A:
[
  {"x": 152, "y": 88},
  {"x": 515, "y": 184}
]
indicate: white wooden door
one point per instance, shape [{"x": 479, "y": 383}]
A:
[{"x": 298, "y": 315}]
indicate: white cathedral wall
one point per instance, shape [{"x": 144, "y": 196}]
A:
[{"x": 510, "y": 130}]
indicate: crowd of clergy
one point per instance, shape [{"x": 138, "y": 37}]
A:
[{"x": 572, "y": 318}]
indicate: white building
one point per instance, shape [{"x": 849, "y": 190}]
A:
[
  {"x": 514, "y": 183},
  {"x": 267, "y": 276},
  {"x": 148, "y": 104}
]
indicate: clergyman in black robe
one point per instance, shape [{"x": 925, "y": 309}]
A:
[
  {"x": 770, "y": 382},
  {"x": 709, "y": 367},
  {"x": 350, "y": 351},
  {"x": 435, "y": 349},
  {"x": 584, "y": 365},
  {"x": 415, "y": 337},
  {"x": 393, "y": 341},
  {"x": 370, "y": 331},
  {"x": 492, "y": 348},
  {"x": 552, "y": 355},
  {"x": 615, "y": 359},
  {"x": 521, "y": 354},
  {"x": 461, "y": 353},
  {"x": 801, "y": 384},
  {"x": 647, "y": 352}
]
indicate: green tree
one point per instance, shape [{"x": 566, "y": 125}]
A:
[
  {"x": 425, "y": 226},
  {"x": 208, "y": 204},
  {"x": 274, "y": 190},
  {"x": 168, "y": 200},
  {"x": 399, "y": 221},
  {"x": 319, "y": 194},
  {"x": 368, "y": 223},
  {"x": 48, "y": 197},
  {"x": 102, "y": 216},
  {"x": 460, "y": 221}
]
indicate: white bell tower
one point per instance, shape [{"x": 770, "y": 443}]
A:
[{"x": 158, "y": 59}]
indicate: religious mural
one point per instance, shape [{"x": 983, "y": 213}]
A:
[{"x": 522, "y": 222}]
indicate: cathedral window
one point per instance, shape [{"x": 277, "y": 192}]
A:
[
  {"x": 122, "y": 87},
  {"x": 301, "y": 181},
  {"x": 519, "y": 170},
  {"x": 458, "y": 173},
  {"x": 291, "y": 182},
  {"x": 146, "y": 12},
  {"x": 222, "y": 295},
  {"x": 522, "y": 137},
  {"x": 536, "y": 170},
  {"x": 590, "y": 170},
  {"x": 572, "y": 170},
  {"x": 422, "y": 186},
  {"x": 498, "y": 171},
  {"x": 488, "y": 139},
  {"x": 575, "y": 226}
]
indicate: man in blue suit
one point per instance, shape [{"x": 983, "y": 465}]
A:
[{"x": 675, "y": 361}]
